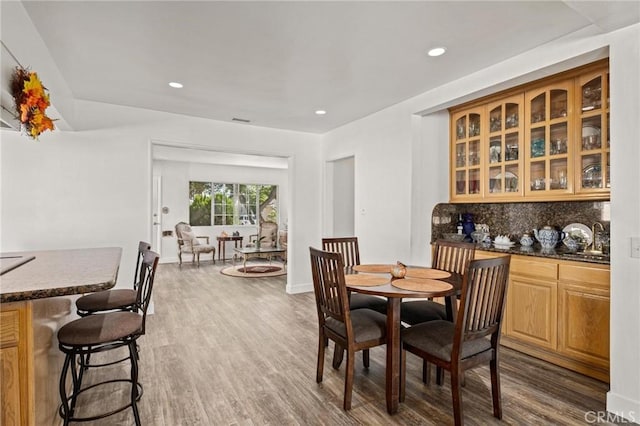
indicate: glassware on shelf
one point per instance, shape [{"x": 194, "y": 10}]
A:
[
  {"x": 537, "y": 147},
  {"x": 592, "y": 95},
  {"x": 461, "y": 125}
]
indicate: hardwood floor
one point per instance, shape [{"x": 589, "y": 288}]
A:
[{"x": 221, "y": 350}]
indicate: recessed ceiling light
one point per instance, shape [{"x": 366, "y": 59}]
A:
[
  {"x": 176, "y": 85},
  {"x": 437, "y": 51},
  {"x": 321, "y": 112}
]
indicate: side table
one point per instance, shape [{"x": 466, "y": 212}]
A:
[{"x": 221, "y": 244}]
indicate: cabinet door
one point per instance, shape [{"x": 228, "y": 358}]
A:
[
  {"x": 548, "y": 153},
  {"x": 583, "y": 327},
  {"x": 532, "y": 311},
  {"x": 503, "y": 152},
  {"x": 592, "y": 134},
  {"x": 16, "y": 364},
  {"x": 583, "y": 313},
  {"x": 466, "y": 154}
]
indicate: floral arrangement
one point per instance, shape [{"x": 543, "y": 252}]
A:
[{"x": 31, "y": 102}]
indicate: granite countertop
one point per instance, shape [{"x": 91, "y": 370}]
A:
[
  {"x": 561, "y": 253},
  {"x": 54, "y": 273}
]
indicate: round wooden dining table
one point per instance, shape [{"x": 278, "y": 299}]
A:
[{"x": 371, "y": 279}]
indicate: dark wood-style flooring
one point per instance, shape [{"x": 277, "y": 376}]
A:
[{"x": 221, "y": 350}]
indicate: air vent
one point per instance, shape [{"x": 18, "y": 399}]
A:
[{"x": 240, "y": 120}]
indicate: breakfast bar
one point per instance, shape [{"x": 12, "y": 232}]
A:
[{"x": 35, "y": 300}]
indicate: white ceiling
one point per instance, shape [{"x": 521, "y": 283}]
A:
[{"x": 275, "y": 63}]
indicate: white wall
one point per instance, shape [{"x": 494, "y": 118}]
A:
[
  {"x": 343, "y": 197},
  {"x": 175, "y": 195},
  {"x": 624, "y": 396},
  {"x": 402, "y": 173},
  {"x": 93, "y": 188}
]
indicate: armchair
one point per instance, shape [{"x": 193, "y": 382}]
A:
[
  {"x": 189, "y": 243},
  {"x": 267, "y": 235}
]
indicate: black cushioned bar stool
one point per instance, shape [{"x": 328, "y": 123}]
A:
[
  {"x": 118, "y": 299},
  {"x": 112, "y": 300},
  {"x": 101, "y": 333}
]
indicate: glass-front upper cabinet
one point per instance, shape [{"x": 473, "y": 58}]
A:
[
  {"x": 504, "y": 151},
  {"x": 467, "y": 130},
  {"x": 548, "y": 130},
  {"x": 593, "y": 142}
]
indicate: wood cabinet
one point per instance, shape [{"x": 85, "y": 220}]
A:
[
  {"x": 543, "y": 141},
  {"x": 592, "y": 134},
  {"x": 467, "y": 153},
  {"x": 16, "y": 362},
  {"x": 531, "y": 313},
  {"x": 504, "y": 148},
  {"x": 583, "y": 329},
  {"x": 548, "y": 160},
  {"x": 559, "y": 311}
]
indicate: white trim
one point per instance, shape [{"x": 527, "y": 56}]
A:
[
  {"x": 624, "y": 407},
  {"x": 299, "y": 288}
]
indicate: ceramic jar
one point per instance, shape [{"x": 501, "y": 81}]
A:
[
  {"x": 526, "y": 240},
  {"x": 548, "y": 237}
]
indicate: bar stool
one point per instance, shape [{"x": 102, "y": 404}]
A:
[
  {"x": 118, "y": 299},
  {"x": 104, "y": 332},
  {"x": 112, "y": 300}
]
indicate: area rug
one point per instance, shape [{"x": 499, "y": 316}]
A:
[{"x": 259, "y": 270}]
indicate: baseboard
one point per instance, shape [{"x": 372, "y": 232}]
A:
[
  {"x": 299, "y": 288},
  {"x": 621, "y": 406},
  {"x": 164, "y": 259}
]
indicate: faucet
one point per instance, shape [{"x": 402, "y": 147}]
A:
[{"x": 596, "y": 245}]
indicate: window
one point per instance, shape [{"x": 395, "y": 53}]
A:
[
  {"x": 231, "y": 203},
  {"x": 200, "y": 203}
]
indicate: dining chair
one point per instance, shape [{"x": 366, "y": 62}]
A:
[
  {"x": 473, "y": 340},
  {"x": 356, "y": 330},
  {"x": 450, "y": 256},
  {"x": 350, "y": 251},
  {"x": 102, "y": 333}
]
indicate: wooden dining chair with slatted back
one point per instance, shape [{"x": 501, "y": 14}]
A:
[
  {"x": 355, "y": 331},
  {"x": 450, "y": 256},
  {"x": 473, "y": 340},
  {"x": 350, "y": 251}
]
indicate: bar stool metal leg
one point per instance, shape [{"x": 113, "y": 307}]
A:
[{"x": 135, "y": 395}]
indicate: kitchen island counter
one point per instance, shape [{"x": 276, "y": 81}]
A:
[{"x": 37, "y": 294}]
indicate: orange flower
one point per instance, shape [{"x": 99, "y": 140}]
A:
[{"x": 31, "y": 102}]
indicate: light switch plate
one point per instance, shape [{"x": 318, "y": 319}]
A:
[{"x": 635, "y": 247}]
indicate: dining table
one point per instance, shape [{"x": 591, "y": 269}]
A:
[{"x": 419, "y": 282}]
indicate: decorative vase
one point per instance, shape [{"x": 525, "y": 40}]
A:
[
  {"x": 398, "y": 271},
  {"x": 467, "y": 224}
]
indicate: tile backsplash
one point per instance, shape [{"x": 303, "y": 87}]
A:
[{"x": 517, "y": 218}]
